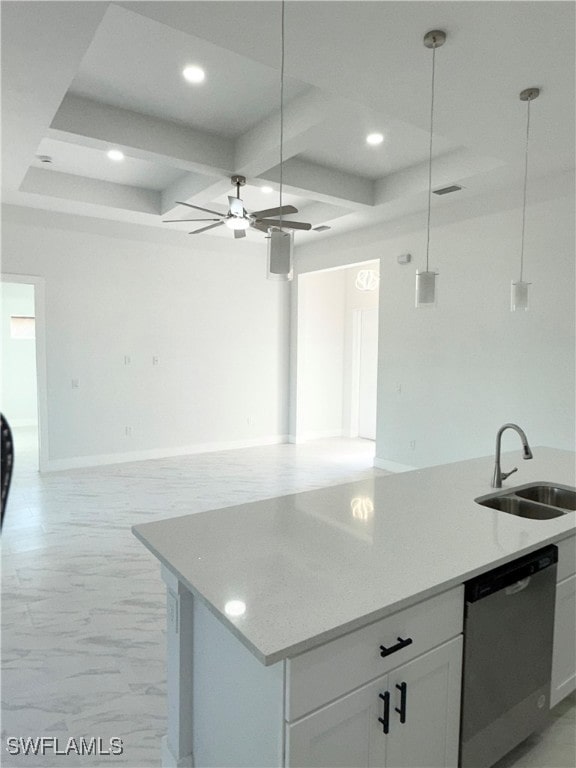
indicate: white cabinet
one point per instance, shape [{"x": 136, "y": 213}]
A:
[
  {"x": 564, "y": 653},
  {"x": 408, "y": 717},
  {"x": 322, "y": 708},
  {"x": 343, "y": 734},
  {"x": 430, "y": 735}
]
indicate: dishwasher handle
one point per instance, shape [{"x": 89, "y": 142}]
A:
[
  {"x": 513, "y": 589},
  {"x": 515, "y": 575}
]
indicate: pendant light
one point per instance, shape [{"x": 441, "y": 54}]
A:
[
  {"x": 519, "y": 289},
  {"x": 426, "y": 279},
  {"x": 280, "y": 242}
]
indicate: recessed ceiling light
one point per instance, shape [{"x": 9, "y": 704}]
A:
[
  {"x": 194, "y": 74},
  {"x": 266, "y": 190},
  {"x": 116, "y": 155},
  {"x": 235, "y": 608},
  {"x": 374, "y": 139}
]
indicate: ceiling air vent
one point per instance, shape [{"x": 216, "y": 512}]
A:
[{"x": 447, "y": 190}]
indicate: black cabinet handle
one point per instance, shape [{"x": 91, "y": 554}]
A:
[
  {"x": 398, "y": 647},
  {"x": 402, "y": 711},
  {"x": 386, "y": 719}
]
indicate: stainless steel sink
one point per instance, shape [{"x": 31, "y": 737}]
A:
[
  {"x": 535, "y": 501},
  {"x": 553, "y": 495}
]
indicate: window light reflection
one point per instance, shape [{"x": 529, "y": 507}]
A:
[{"x": 362, "y": 507}]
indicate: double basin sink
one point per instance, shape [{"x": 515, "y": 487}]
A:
[{"x": 536, "y": 501}]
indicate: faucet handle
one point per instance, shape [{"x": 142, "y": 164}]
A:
[{"x": 507, "y": 474}]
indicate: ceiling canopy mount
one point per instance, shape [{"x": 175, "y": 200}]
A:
[{"x": 435, "y": 38}]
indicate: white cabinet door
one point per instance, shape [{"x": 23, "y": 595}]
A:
[
  {"x": 427, "y": 691},
  {"x": 349, "y": 733},
  {"x": 564, "y": 653},
  {"x": 344, "y": 734}
]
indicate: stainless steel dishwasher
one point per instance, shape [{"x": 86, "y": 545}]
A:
[{"x": 508, "y": 634}]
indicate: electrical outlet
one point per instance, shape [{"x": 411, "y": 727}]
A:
[
  {"x": 154, "y": 360},
  {"x": 412, "y": 445},
  {"x": 127, "y": 360},
  {"x": 399, "y": 389},
  {"x": 128, "y": 431},
  {"x": 75, "y": 383}
]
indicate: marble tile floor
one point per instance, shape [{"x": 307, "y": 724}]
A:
[{"x": 83, "y": 602}]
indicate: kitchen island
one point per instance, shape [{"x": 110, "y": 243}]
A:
[{"x": 278, "y": 612}]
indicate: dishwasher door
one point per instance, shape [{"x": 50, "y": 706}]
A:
[{"x": 508, "y": 635}]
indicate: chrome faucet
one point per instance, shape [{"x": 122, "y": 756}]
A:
[{"x": 498, "y": 474}]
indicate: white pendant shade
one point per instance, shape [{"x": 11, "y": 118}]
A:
[
  {"x": 519, "y": 296},
  {"x": 279, "y": 261},
  {"x": 426, "y": 293}
]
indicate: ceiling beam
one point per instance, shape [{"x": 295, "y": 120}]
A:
[
  {"x": 258, "y": 149},
  {"x": 327, "y": 185},
  {"x": 50, "y": 56},
  {"x": 92, "y": 191},
  {"x": 446, "y": 169},
  {"x": 192, "y": 188},
  {"x": 93, "y": 124}
]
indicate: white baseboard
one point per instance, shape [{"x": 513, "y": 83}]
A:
[
  {"x": 392, "y": 466},
  {"x": 81, "y": 462},
  {"x": 315, "y": 435}
]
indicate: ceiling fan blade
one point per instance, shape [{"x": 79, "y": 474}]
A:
[
  {"x": 284, "y": 223},
  {"x": 203, "y": 229},
  {"x": 236, "y": 206},
  {"x": 259, "y": 226},
  {"x": 173, "y": 221},
  {"x": 284, "y": 211},
  {"x": 198, "y": 208},
  {"x": 238, "y": 233}
]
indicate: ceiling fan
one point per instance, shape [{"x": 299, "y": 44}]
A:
[{"x": 239, "y": 219}]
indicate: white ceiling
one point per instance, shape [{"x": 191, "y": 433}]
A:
[
  {"x": 81, "y": 78},
  {"x": 89, "y": 162}
]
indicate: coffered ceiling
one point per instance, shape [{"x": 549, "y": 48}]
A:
[{"x": 80, "y": 78}]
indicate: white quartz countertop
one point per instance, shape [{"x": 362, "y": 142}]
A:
[{"x": 312, "y": 566}]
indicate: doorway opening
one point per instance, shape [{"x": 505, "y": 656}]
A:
[
  {"x": 337, "y": 354},
  {"x": 21, "y": 400}
]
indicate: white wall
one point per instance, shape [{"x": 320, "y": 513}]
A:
[
  {"x": 201, "y": 306},
  {"x": 325, "y": 306},
  {"x": 19, "y": 400},
  {"x": 321, "y": 324},
  {"x": 470, "y": 365},
  {"x": 355, "y": 300}
]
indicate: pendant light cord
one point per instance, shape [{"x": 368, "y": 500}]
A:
[
  {"x": 430, "y": 154},
  {"x": 525, "y": 188},
  {"x": 282, "y": 106}
]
